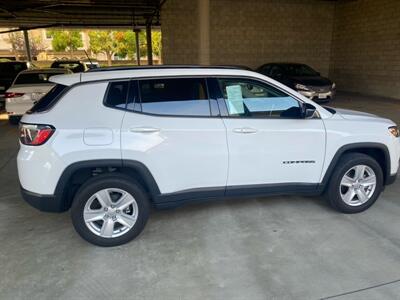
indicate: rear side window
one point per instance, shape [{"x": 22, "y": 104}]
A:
[
  {"x": 49, "y": 99},
  {"x": 177, "y": 97},
  {"x": 117, "y": 94}
]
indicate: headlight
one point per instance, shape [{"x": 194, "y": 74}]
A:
[
  {"x": 394, "y": 130},
  {"x": 333, "y": 85},
  {"x": 301, "y": 87}
]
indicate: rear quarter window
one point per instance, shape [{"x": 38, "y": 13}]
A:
[
  {"x": 49, "y": 99},
  {"x": 117, "y": 94}
]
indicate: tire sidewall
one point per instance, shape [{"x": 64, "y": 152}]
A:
[
  {"x": 102, "y": 182},
  {"x": 345, "y": 164}
]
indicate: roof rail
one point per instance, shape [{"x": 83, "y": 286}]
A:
[{"x": 126, "y": 68}]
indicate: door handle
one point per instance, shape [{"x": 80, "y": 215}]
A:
[
  {"x": 144, "y": 129},
  {"x": 245, "y": 130}
]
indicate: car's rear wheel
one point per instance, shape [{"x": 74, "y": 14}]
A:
[
  {"x": 110, "y": 210},
  {"x": 355, "y": 184}
]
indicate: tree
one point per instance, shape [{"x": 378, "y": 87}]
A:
[
  {"x": 156, "y": 43},
  {"x": 66, "y": 40},
  {"x": 127, "y": 43},
  {"x": 104, "y": 41},
  {"x": 37, "y": 45},
  {"x": 16, "y": 40}
]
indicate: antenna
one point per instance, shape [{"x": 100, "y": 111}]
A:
[{"x": 88, "y": 57}]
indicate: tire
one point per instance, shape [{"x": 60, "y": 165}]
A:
[
  {"x": 340, "y": 190},
  {"x": 14, "y": 120},
  {"x": 92, "y": 210}
]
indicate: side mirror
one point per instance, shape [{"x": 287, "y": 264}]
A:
[{"x": 309, "y": 111}]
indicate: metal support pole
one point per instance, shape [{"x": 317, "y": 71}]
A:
[
  {"x": 204, "y": 31},
  {"x": 27, "y": 46},
  {"x": 137, "y": 31},
  {"x": 149, "y": 44}
]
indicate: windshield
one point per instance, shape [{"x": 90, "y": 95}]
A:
[
  {"x": 35, "y": 78},
  {"x": 299, "y": 70}
]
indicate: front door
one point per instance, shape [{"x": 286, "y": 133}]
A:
[{"x": 269, "y": 142}]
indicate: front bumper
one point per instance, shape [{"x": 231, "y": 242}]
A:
[
  {"x": 319, "y": 96},
  {"x": 47, "y": 203}
]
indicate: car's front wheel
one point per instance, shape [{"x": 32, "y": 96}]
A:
[
  {"x": 110, "y": 210},
  {"x": 355, "y": 184}
]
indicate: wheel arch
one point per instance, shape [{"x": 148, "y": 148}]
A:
[
  {"x": 378, "y": 151},
  {"x": 77, "y": 173}
]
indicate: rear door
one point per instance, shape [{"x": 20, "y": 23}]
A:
[{"x": 171, "y": 130}]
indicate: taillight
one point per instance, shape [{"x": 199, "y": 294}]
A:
[
  {"x": 35, "y": 135},
  {"x": 13, "y": 95}
]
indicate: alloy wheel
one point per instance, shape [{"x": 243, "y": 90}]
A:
[
  {"x": 358, "y": 185},
  {"x": 110, "y": 213}
]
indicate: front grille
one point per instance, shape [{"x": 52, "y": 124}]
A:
[{"x": 320, "y": 89}]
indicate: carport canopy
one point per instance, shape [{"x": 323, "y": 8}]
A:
[{"x": 30, "y": 14}]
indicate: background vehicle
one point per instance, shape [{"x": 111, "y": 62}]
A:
[
  {"x": 8, "y": 71},
  {"x": 301, "y": 78},
  {"x": 75, "y": 66},
  {"x": 28, "y": 87},
  {"x": 110, "y": 144},
  {"x": 89, "y": 65}
]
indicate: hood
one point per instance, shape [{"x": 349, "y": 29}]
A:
[
  {"x": 358, "y": 115},
  {"x": 311, "y": 80}
]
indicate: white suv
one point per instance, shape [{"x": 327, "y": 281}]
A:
[{"x": 110, "y": 144}]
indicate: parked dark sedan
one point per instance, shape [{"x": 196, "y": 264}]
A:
[{"x": 301, "y": 78}]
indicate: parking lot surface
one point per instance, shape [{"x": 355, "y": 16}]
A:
[{"x": 277, "y": 247}]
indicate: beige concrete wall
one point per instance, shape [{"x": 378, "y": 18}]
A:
[
  {"x": 180, "y": 32},
  {"x": 251, "y": 32},
  {"x": 357, "y": 43},
  {"x": 366, "y": 47},
  {"x": 257, "y": 31}
]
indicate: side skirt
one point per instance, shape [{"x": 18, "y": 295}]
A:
[{"x": 171, "y": 200}]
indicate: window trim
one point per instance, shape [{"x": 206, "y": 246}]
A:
[
  {"x": 171, "y": 115},
  {"x": 207, "y": 76},
  {"x": 224, "y": 109},
  {"x": 52, "y": 103},
  {"x": 128, "y": 93}
]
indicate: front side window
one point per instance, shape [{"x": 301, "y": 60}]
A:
[
  {"x": 117, "y": 93},
  {"x": 250, "y": 98},
  {"x": 174, "y": 96}
]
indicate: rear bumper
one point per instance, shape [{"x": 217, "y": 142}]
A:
[{"x": 47, "y": 203}]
